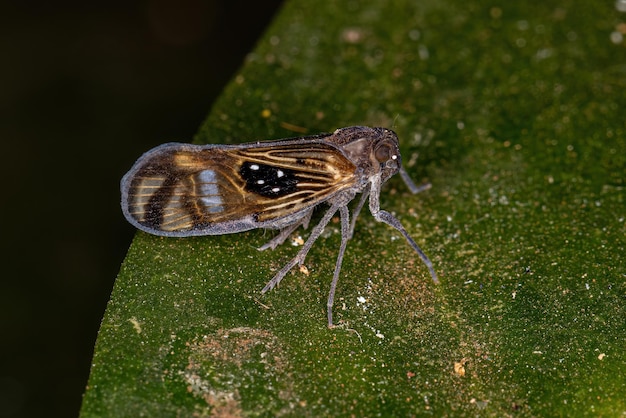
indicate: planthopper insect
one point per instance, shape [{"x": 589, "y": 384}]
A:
[{"x": 183, "y": 190}]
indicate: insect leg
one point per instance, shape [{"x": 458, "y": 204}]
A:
[
  {"x": 357, "y": 209},
  {"x": 386, "y": 217},
  {"x": 409, "y": 182},
  {"x": 299, "y": 258},
  {"x": 345, "y": 237},
  {"x": 285, "y": 232}
]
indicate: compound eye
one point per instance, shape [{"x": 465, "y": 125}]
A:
[{"x": 384, "y": 153}]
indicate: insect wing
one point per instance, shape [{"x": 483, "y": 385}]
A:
[{"x": 184, "y": 190}]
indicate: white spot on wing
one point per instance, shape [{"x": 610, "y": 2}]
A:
[
  {"x": 280, "y": 173},
  {"x": 254, "y": 167}
]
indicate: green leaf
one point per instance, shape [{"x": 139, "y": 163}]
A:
[{"x": 517, "y": 114}]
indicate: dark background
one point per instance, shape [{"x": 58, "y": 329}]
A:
[{"x": 85, "y": 88}]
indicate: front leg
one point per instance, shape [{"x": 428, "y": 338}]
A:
[{"x": 386, "y": 217}]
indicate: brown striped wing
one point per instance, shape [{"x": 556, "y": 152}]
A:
[{"x": 182, "y": 190}]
